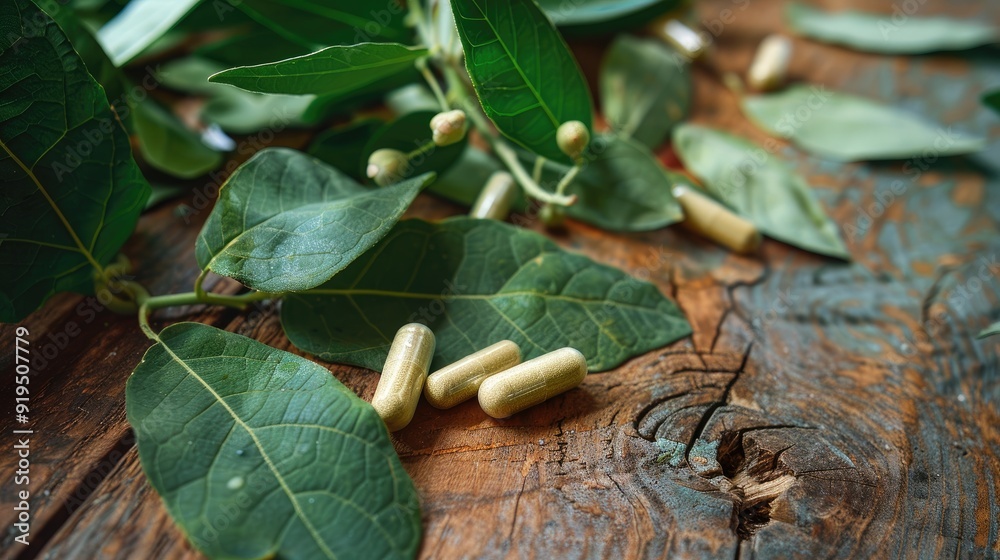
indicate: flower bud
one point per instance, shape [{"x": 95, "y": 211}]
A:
[
  {"x": 553, "y": 216},
  {"x": 573, "y": 138},
  {"x": 449, "y": 127},
  {"x": 386, "y": 166}
]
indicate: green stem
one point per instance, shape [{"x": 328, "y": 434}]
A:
[
  {"x": 421, "y": 150},
  {"x": 148, "y": 304},
  {"x": 536, "y": 173},
  {"x": 431, "y": 80},
  {"x": 568, "y": 178}
]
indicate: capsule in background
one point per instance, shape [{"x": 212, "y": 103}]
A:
[
  {"x": 403, "y": 375},
  {"x": 770, "y": 64},
  {"x": 681, "y": 37},
  {"x": 460, "y": 381},
  {"x": 532, "y": 382},
  {"x": 496, "y": 198},
  {"x": 716, "y": 222}
]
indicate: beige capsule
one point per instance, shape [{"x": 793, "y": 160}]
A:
[
  {"x": 532, "y": 382},
  {"x": 716, "y": 222},
  {"x": 496, "y": 198},
  {"x": 460, "y": 381},
  {"x": 403, "y": 375},
  {"x": 770, "y": 64},
  {"x": 681, "y": 37}
]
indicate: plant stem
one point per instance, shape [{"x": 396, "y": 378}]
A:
[
  {"x": 536, "y": 173},
  {"x": 431, "y": 80},
  {"x": 148, "y": 304},
  {"x": 568, "y": 178},
  {"x": 421, "y": 150}
]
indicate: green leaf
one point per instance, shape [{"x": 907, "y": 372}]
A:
[
  {"x": 990, "y": 330},
  {"x": 333, "y": 71},
  {"x": 992, "y": 100},
  {"x": 298, "y": 466},
  {"x": 624, "y": 188},
  {"x": 315, "y": 23},
  {"x": 245, "y": 48},
  {"x": 71, "y": 191},
  {"x": 645, "y": 89},
  {"x": 476, "y": 282},
  {"x": 890, "y": 34},
  {"x": 844, "y": 127},
  {"x": 344, "y": 147},
  {"x": 527, "y": 80},
  {"x": 168, "y": 145},
  {"x": 760, "y": 187},
  {"x": 231, "y": 108},
  {"x": 408, "y": 133},
  {"x": 600, "y": 17},
  {"x": 287, "y": 222},
  {"x": 140, "y": 24}
]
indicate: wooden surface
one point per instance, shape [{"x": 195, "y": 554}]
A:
[{"x": 820, "y": 410}]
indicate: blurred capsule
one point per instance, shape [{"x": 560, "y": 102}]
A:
[
  {"x": 496, "y": 197},
  {"x": 460, "y": 381},
  {"x": 716, "y": 222},
  {"x": 532, "y": 382},
  {"x": 681, "y": 37},
  {"x": 403, "y": 375},
  {"x": 770, "y": 64}
]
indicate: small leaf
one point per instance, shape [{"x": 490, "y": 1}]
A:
[
  {"x": 286, "y": 222},
  {"x": 408, "y": 133},
  {"x": 622, "y": 188},
  {"x": 168, "y": 145},
  {"x": 527, "y": 80},
  {"x": 344, "y": 147},
  {"x": 600, "y": 17},
  {"x": 992, "y": 100},
  {"x": 140, "y": 24},
  {"x": 845, "y": 127},
  {"x": 883, "y": 33},
  {"x": 760, "y": 187},
  {"x": 333, "y": 71},
  {"x": 645, "y": 89},
  {"x": 298, "y": 466},
  {"x": 71, "y": 191},
  {"x": 476, "y": 282},
  {"x": 990, "y": 330}
]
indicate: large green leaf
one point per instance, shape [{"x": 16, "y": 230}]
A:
[
  {"x": 287, "y": 222},
  {"x": 622, "y": 187},
  {"x": 168, "y": 145},
  {"x": 527, "y": 80},
  {"x": 333, "y": 71},
  {"x": 140, "y": 24},
  {"x": 408, "y": 133},
  {"x": 476, "y": 282},
  {"x": 71, "y": 191},
  {"x": 296, "y": 465},
  {"x": 845, "y": 127},
  {"x": 881, "y": 33},
  {"x": 645, "y": 89},
  {"x": 760, "y": 187}
]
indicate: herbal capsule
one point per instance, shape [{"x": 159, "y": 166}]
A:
[
  {"x": 532, "y": 382},
  {"x": 770, "y": 63},
  {"x": 403, "y": 375},
  {"x": 682, "y": 38},
  {"x": 496, "y": 197},
  {"x": 716, "y": 222},
  {"x": 460, "y": 381}
]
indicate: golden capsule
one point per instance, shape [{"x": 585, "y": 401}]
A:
[
  {"x": 532, "y": 382},
  {"x": 681, "y": 37},
  {"x": 403, "y": 375},
  {"x": 460, "y": 381},
  {"x": 496, "y": 197},
  {"x": 716, "y": 222},
  {"x": 770, "y": 64}
]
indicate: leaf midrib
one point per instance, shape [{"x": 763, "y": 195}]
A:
[
  {"x": 531, "y": 87},
  {"x": 347, "y": 69},
  {"x": 62, "y": 218},
  {"x": 260, "y": 447}
]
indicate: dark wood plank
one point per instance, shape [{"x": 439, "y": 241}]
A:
[{"x": 820, "y": 410}]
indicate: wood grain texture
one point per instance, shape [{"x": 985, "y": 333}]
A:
[{"x": 820, "y": 409}]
